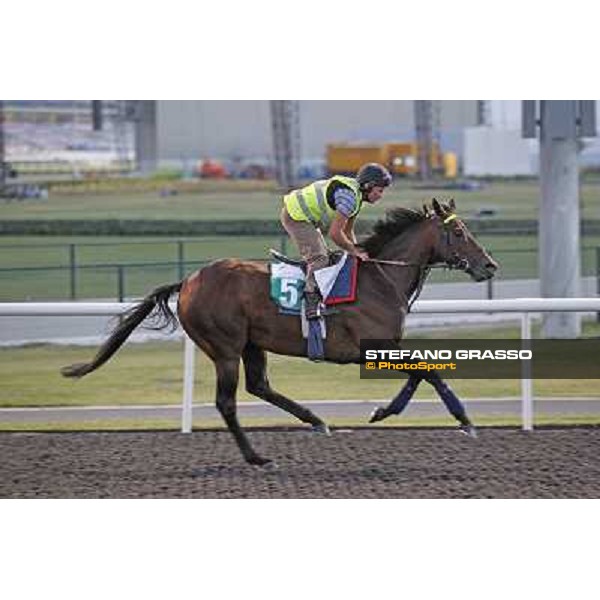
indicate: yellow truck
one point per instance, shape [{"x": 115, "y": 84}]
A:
[
  {"x": 346, "y": 159},
  {"x": 401, "y": 158}
]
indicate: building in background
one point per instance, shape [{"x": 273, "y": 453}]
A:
[
  {"x": 483, "y": 135},
  {"x": 234, "y": 130},
  {"x": 488, "y": 151},
  {"x": 495, "y": 147},
  {"x": 66, "y": 137}
]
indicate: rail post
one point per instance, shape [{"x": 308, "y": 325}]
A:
[
  {"x": 490, "y": 289},
  {"x": 120, "y": 283},
  {"x": 598, "y": 278},
  {"x": 526, "y": 381},
  {"x": 73, "y": 270},
  {"x": 283, "y": 244},
  {"x": 188, "y": 386},
  {"x": 180, "y": 259}
]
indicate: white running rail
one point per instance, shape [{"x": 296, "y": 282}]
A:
[{"x": 524, "y": 306}]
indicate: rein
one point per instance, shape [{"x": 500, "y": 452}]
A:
[
  {"x": 402, "y": 263},
  {"x": 423, "y": 270},
  {"x": 423, "y": 273}
]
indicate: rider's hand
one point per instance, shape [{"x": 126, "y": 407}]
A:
[{"x": 361, "y": 254}]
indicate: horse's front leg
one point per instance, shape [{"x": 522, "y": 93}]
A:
[
  {"x": 452, "y": 403},
  {"x": 398, "y": 404}
]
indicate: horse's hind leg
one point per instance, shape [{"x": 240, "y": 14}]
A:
[
  {"x": 227, "y": 382},
  {"x": 453, "y": 404},
  {"x": 257, "y": 384},
  {"x": 398, "y": 404}
]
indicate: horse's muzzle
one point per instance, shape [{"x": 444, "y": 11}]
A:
[{"x": 483, "y": 272}]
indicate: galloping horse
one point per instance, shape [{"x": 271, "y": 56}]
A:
[{"x": 226, "y": 310}]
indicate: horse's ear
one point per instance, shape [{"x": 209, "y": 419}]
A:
[
  {"x": 426, "y": 210},
  {"x": 452, "y": 205},
  {"x": 437, "y": 207}
]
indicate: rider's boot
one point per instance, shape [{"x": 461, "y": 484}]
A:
[{"x": 313, "y": 305}]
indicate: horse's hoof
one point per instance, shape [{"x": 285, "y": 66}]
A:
[
  {"x": 258, "y": 461},
  {"x": 270, "y": 465},
  {"x": 469, "y": 431},
  {"x": 377, "y": 415},
  {"x": 321, "y": 428}
]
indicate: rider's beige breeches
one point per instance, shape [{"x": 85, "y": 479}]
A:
[{"x": 311, "y": 245}]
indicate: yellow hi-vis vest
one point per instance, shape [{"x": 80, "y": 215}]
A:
[{"x": 310, "y": 202}]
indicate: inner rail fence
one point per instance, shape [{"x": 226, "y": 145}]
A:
[
  {"x": 106, "y": 279},
  {"x": 77, "y": 278},
  {"x": 523, "y": 306}
]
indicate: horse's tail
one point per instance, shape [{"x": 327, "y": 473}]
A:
[{"x": 157, "y": 299}]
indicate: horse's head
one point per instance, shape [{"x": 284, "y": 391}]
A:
[{"x": 457, "y": 247}]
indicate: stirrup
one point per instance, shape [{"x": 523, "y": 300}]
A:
[{"x": 313, "y": 307}]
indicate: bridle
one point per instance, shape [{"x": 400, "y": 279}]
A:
[
  {"x": 455, "y": 262},
  {"x": 462, "y": 264}
]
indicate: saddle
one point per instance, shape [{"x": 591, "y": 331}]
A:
[
  {"x": 334, "y": 257},
  {"x": 337, "y": 284}
]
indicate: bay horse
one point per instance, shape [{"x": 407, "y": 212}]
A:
[{"x": 226, "y": 310}]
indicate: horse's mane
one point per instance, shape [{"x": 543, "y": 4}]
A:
[{"x": 396, "y": 222}]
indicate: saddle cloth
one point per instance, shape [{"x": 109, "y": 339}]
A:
[{"x": 337, "y": 284}]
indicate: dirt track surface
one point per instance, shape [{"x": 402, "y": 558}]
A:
[{"x": 362, "y": 463}]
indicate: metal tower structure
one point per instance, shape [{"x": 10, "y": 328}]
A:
[
  {"x": 123, "y": 118},
  {"x": 97, "y": 120},
  {"x": 484, "y": 116},
  {"x": 285, "y": 122},
  {"x": 143, "y": 113},
  {"x": 437, "y": 125},
  {"x": 427, "y": 129},
  {"x": 3, "y": 168}
]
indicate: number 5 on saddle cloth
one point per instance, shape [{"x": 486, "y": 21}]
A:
[{"x": 337, "y": 285}]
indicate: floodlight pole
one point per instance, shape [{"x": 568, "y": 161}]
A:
[
  {"x": 561, "y": 123},
  {"x": 559, "y": 243}
]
